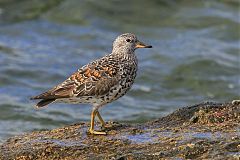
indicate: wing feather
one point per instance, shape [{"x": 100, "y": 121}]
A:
[{"x": 94, "y": 79}]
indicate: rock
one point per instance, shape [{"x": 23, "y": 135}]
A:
[{"x": 204, "y": 131}]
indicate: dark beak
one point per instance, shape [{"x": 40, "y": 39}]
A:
[{"x": 142, "y": 45}]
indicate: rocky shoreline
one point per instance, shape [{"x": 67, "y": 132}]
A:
[{"x": 203, "y": 131}]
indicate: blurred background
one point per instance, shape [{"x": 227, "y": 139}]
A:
[{"x": 195, "y": 57}]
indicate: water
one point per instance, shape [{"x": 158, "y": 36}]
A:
[{"x": 195, "y": 57}]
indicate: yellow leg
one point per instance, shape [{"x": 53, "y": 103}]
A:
[
  {"x": 104, "y": 125},
  {"x": 91, "y": 130},
  {"x": 100, "y": 119}
]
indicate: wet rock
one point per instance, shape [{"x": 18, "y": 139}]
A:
[
  {"x": 233, "y": 146},
  {"x": 204, "y": 131}
]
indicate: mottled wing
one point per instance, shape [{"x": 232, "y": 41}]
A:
[
  {"x": 63, "y": 90},
  {"x": 94, "y": 79}
]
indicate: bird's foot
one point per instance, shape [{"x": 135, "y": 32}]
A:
[{"x": 96, "y": 132}]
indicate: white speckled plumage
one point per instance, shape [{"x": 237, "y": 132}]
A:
[{"x": 101, "y": 81}]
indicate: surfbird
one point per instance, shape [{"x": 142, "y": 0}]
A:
[{"x": 101, "y": 81}]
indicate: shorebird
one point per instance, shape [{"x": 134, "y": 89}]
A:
[{"x": 101, "y": 81}]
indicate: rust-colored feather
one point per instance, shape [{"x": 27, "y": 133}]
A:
[{"x": 93, "y": 79}]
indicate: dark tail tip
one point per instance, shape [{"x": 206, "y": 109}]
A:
[{"x": 44, "y": 102}]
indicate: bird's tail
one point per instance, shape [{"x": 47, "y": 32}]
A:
[{"x": 44, "y": 102}]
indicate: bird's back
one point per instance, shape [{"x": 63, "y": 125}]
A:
[{"x": 100, "y": 82}]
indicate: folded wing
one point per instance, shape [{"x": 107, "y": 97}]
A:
[{"x": 91, "y": 80}]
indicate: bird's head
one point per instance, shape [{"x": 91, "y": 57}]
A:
[{"x": 128, "y": 42}]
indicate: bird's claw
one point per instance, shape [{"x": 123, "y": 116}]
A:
[{"x": 96, "y": 132}]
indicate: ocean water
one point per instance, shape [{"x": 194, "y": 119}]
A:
[{"x": 195, "y": 56}]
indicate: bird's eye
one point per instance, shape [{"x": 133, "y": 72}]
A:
[{"x": 128, "y": 40}]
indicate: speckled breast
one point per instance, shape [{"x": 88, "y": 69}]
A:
[{"x": 128, "y": 74}]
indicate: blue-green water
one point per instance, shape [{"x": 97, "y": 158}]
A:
[{"x": 195, "y": 57}]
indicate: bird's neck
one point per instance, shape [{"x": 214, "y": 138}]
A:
[
  {"x": 125, "y": 56},
  {"x": 123, "y": 52}
]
